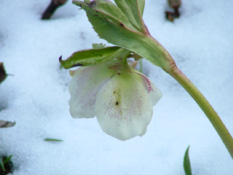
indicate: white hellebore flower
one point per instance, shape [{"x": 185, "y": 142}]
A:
[{"x": 119, "y": 96}]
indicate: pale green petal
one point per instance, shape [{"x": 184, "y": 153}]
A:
[
  {"x": 154, "y": 93},
  {"x": 84, "y": 86},
  {"x": 123, "y": 106}
]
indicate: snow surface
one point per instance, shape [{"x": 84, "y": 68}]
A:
[{"x": 36, "y": 96}]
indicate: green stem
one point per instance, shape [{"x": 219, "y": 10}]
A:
[
  {"x": 205, "y": 106},
  {"x": 140, "y": 61}
]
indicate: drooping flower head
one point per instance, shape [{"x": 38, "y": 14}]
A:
[{"x": 119, "y": 96}]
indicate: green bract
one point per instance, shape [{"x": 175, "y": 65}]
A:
[
  {"x": 122, "y": 25},
  {"x": 93, "y": 56}
]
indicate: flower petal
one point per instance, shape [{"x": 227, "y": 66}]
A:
[
  {"x": 123, "y": 106},
  {"x": 84, "y": 86},
  {"x": 153, "y": 91}
]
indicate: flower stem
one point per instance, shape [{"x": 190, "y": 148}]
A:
[
  {"x": 141, "y": 69},
  {"x": 205, "y": 106}
]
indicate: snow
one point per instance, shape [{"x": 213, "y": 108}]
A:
[{"x": 36, "y": 96}]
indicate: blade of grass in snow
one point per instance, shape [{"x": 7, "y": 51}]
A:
[
  {"x": 2, "y": 164},
  {"x": 52, "y": 140},
  {"x": 187, "y": 165},
  {"x": 7, "y": 159}
]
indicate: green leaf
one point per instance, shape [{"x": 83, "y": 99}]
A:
[
  {"x": 2, "y": 165},
  {"x": 98, "y": 46},
  {"x": 106, "y": 10},
  {"x": 143, "y": 45},
  {"x": 6, "y": 124},
  {"x": 7, "y": 159},
  {"x": 52, "y": 140},
  {"x": 93, "y": 56},
  {"x": 132, "y": 40},
  {"x": 133, "y": 9},
  {"x": 88, "y": 57},
  {"x": 187, "y": 165}
]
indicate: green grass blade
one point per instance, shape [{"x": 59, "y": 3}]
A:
[
  {"x": 7, "y": 159},
  {"x": 187, "y": 165},
  {"x": 2, "y": 164},
  {"x": 52, "y": 140}
]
